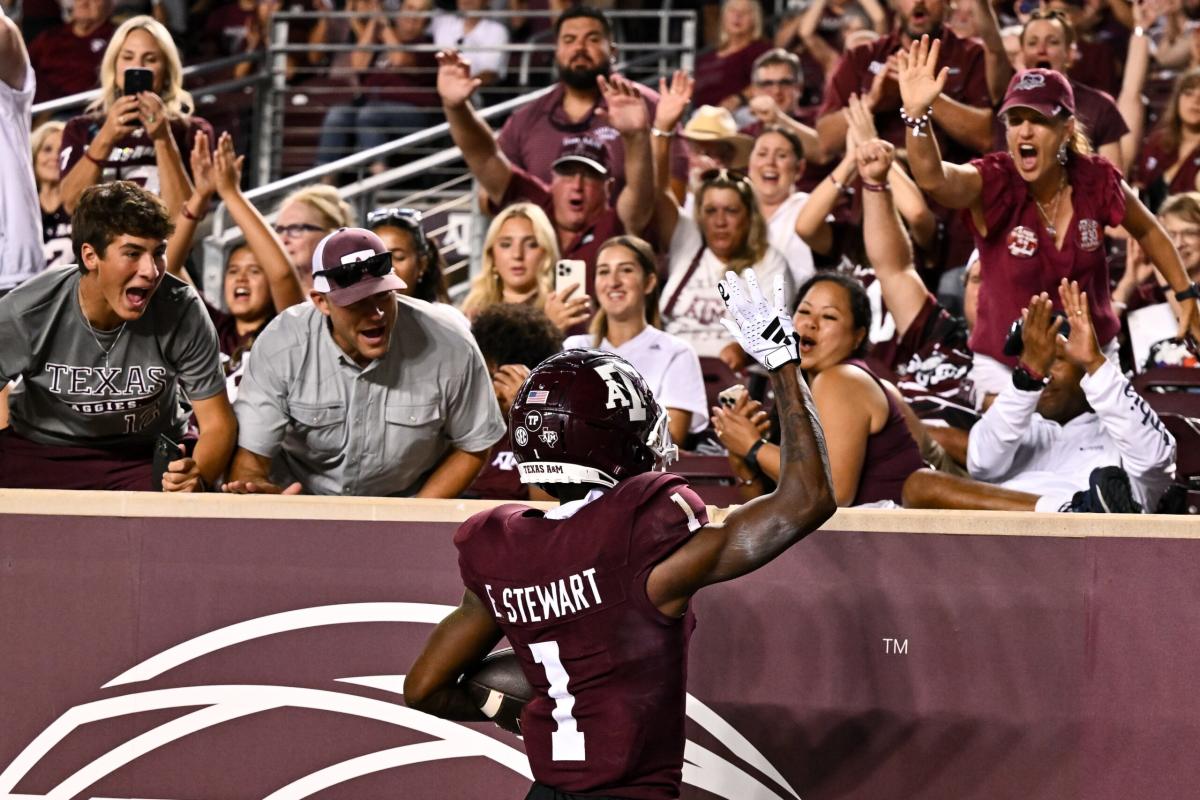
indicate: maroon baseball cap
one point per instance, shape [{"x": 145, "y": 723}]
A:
[
  {"x": 587, "y": 150},
  {"x": 1046, "y": 91},
  {"x": 352, "y": 263}
]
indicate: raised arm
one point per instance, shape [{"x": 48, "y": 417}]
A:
[
  {"x": 14, "y": 58},
  {"x": 1148, "y": 231},
  {"x": 483, "y": 155},
  {"x": 754, "y": 534},
  {"x": 628, "y": 114},
  {"x": 120, "y": 121},
  {"x": 180, "y": 243},
  {"x": 995, "y": 59},
  {"x": 810, "y": 21},
  {"x": 174, "y": 186},
  {"x": 888, "y": 247},
  {"x": 1129, "y": 101},
  {"x": 282, "y": 277},
  {"x": 673, "y": 100},
  {"x": 952, "y": 185}
]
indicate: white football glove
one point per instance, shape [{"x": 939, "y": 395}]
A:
[{"x": 764, "y": 332}]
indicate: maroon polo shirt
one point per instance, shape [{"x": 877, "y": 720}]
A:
[
  {"x": 717, "y": 77},
  {"x": 532, "y": 137},
  {"x": 65, "y": 63},
  {"x": 1018, "y": 258},
  {"x": 1156, "y": 159},
  {"x": 1097, "y": 111}
]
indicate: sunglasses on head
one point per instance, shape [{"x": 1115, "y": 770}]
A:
[
  {"x": 345, "y": 275},
  {"x": 723, "y": 175},
  {"x": 409, "y": 217}
]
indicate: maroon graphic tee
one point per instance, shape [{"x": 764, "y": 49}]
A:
[{"x": 609, "y": 670}]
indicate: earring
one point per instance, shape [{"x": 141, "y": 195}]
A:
[{"x": 1062, "y": 154}]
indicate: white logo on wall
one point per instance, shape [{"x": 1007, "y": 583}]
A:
[
  {"x": 218, "y": 705},
  {"x": 621, "y": 392}
]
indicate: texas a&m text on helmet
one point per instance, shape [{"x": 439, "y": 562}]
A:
[{"x": 587, "y": 416}]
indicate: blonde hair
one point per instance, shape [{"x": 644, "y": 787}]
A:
[
  {"x": 38, "y": 138},
  {"x": 486, "y": 289},
  {"x": 755, "y": 9},
  {"x": 326, "y": 201},
  {"x": 174, "y": 97}
]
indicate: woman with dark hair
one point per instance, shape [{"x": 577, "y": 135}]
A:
[
  {"x": 1037, "y": 212},
  {"x": 415, "y": 255},
  {"x": 871, "y": 450},
  {"x": 628, "y": 324},
  {"x": 1170, "y": 159}
]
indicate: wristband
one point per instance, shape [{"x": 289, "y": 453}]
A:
[
  {"x": 876, "y": 187},
  {"x": 92, "y": 158},
  {"x": 1192, "y": 291},
  {"x": 661, "y": 133},
  {"x": 751, "y": 457},
  {"x": 1028, "y": 381},
  {"x": 189, "y": 215},
  {"x": 1138, "y": 30}
]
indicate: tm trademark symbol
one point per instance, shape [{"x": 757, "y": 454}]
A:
[{"x": 895, "y": 647}]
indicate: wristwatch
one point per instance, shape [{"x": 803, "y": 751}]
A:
[
  {"x": 751, "y": 457},
  {"x": 1192, "y": 291},
  {"x": 1026, "y": 381}
]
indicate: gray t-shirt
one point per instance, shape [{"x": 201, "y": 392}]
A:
[
  {"x": 369, "y": 431},
  {"x": 67, "y": 396}
]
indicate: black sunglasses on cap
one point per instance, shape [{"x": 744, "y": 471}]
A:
[{"x": 345, "y": 275}]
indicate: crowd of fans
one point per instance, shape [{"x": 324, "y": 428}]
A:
[{"x": 971, "y": 207}]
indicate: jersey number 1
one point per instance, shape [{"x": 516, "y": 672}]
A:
[{"x": 567, "y": 740}]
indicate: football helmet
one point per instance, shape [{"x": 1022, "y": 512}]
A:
[{"x": 587, "y": 416}]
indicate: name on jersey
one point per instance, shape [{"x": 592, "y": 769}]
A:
[{"x": 560, "y": 598}]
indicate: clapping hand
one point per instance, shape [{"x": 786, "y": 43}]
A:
[
  {"x": 454, "y": 81},
  {"x": 506, "y": 382},
  {"x": 228, "y": 167},
  {"x": 860, "y": 123},
  {"x": 203, "y": 174},
  {"x": 920, "y": 80},
  {"x": 673, "y": 100},
  {"x": 1039, "y": 334},
  {"x": 1081, "y": 346},
  {"x": 764, "y": 330}
]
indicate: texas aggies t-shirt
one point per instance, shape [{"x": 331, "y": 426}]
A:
[
  {"x": 70, "y": 394},
  {"x": 132, "y": 159}
]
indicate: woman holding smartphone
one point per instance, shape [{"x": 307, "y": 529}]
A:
[{"x": 141, "y": 124}]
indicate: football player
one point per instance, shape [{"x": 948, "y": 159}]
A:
[{"x": 594, "y": 595}]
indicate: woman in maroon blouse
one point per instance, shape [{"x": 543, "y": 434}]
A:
[
  {"x": 871, "y": 449},
  {"x": 1037, "y": 211},
  {"x": 1170, "y": 161},
  {"x": 723, "y": 75}
]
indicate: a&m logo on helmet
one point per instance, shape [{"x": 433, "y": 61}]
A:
[{"x": 621, "y": 391}]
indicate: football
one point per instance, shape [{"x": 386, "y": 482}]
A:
[{"x": 499, "y": 688}]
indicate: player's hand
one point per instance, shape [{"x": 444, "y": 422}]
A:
[
  {"x": 1039, "y": 333},
  {"x": 1081, "y": 347},
  {"x": 920, "y": 80},
  {"x": 764, "y": 330},
  {"x": 454, "y": 81},
  {"x": 673, "y": 100},
  {"x": 565, "y": 310},
  {"x": 258, "y": 487},
  {"x": 506, "y": 382}
]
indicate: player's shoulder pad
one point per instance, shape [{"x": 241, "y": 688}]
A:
[
  {"x": 483, "y": 521},
  {"x": 669, "y": 498}
]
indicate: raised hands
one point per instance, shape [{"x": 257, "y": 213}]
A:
[
  {"x": 860, "y": 123},
  {"x": 920, "y": 80},
  {"x": 228, "y": 167},
  {"x": 673, "y": 100},
  {"x": 764, "y": 330},
  {"x": 454, "y": 81},
  {"x": 1039, "y": 334},
  {"x": 1081, "y": 346},
  {"x": 882, "y": 94},
  {"x": 203, "y": 175},
  {"x": 874, "y": 158},
  {"x": 626, "y": 106}
]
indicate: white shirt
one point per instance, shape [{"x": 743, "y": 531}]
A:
[
  {"x": 1017, "y": 448},
  {"x": 669, "y": 365},
  {"x": 781, "y": 233},
  {"x": 696, "y": 314},
  {"x": 20, "y": 213},
  {"x": 447, "y": 31}
]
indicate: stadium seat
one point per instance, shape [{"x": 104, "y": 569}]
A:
[
  {"x": 1173, "y": 390},
  {"x": 717, "y": 376},
  {"x": 1186, "y": 431},
  {"x": 710, "y": 477}
]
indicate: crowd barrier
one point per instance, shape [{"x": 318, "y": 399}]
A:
[{"x": 229, "y": 648}]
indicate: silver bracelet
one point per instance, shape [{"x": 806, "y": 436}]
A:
[{"x": 661, "y": 134}]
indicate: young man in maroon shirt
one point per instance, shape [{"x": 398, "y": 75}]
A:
[
  {"x": 67, "y": 57},
  {"x": 576, "y": 197}
]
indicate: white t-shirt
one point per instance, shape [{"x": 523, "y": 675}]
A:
[
  {"x": 781, "y": 233},
  {"x": 696, "y": 314},
  {"x": 447, "y": 31},
  {"x": 669, "y": 365},
  {"x": 20, "y": 214}
]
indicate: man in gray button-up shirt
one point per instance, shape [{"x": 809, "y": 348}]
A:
[{"x": 364, "y": 392}]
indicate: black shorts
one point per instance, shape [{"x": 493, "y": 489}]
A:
[{"x": 540, "y": 791}]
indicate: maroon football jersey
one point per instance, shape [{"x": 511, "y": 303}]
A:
[{"x": 608, "y": 670}]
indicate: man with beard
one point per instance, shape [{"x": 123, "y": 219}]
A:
[
  {"x": 961, "y": 115},
  {"x": 533, "y": 136}
]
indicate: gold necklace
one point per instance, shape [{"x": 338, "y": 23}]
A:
[{"x": 1048, "y": 219}]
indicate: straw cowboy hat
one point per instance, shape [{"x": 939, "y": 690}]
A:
[{"x": 713, "y": 124}]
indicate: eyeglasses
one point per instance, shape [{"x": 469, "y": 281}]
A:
[
  {"x": 408, "y": 217},
  {"x": 345, "y": 275},
  {"x": 297, "y": 229},
  {"x": 782, "y": 83}
]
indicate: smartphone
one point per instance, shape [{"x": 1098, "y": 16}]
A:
[
  {"x": 729, "y": 396},
  {"x": 166, "y": 450},
  {"x": 138, "y": 80},
  {"x": 569, "y": 272}
]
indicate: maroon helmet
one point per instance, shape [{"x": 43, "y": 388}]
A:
[{"x": 586, "y": 416}]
